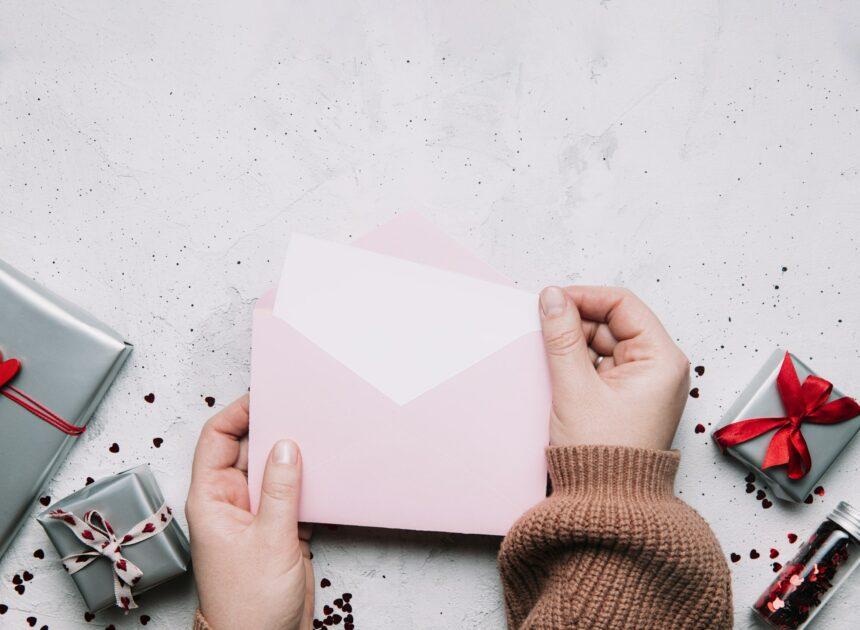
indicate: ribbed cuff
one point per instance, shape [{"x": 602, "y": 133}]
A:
[
  {"x": 612, "y": 472},
  {"x": 200, "y": 621}
]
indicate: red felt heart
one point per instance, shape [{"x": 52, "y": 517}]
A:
[{"x": 8, "y": 369}]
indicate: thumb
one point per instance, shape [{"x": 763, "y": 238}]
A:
[
  {"x": 570, "y": 365},
  {"x": 279, "y": 500}
]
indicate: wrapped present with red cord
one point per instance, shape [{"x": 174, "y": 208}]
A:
[
  {"x": 789, "y": 425},
  {"x": 56, "y": 363},
  {"x": 117, "y": 538}
]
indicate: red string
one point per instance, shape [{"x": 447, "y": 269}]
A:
[{"x": 40, "y": 411}]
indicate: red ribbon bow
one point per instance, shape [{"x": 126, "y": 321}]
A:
[
  {"x": 803, "y": 403},
  {"x": 8, "y": 369}
]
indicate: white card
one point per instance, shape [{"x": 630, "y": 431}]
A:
[{"x": 401, "y": 326}]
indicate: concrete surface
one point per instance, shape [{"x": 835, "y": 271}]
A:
[{"x": 154, "y": 157}]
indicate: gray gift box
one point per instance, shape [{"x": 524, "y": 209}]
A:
[
  {"x": 125, "y": 500},
  {"x": 761, "y": 399},
  {"x": 68, "y": 361}
]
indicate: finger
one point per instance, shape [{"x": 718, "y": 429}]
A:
[
  {"x": 306, "y": 531},
  {"x": 605, "y": 365},
  {"x": 279, "y": 500},
  {"x": 625, "y": 314},
  {"x": 219, "y": 444},
  {"x": 601, "y": 339},
  {"x": 566, "y": 345}
]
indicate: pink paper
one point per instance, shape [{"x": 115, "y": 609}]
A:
[{"x": 466, "y": 456}]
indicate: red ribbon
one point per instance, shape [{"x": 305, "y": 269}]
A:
[
  {"x": 802, "y": 403},
  {"x": 8, "y": 369}
]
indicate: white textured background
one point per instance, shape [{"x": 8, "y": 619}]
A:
[{"x": 154, "y": 156}]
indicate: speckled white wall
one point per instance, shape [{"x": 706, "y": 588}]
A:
[{"x": 154, "y": 156}]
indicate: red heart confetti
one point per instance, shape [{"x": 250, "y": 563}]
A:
[
  {"x": 46, "y": 500},
  {"x": 754, "y": 554},
  {"x": 88, "y": 616},
  {"x": 114, "y": 448},
  {"x": 144, "y": 619},
  {"x": 819, "y": 491},
  {"x": 3, "y": 609},
  {"x": 32, "y": 621},
  {"x": 210, "y": 401},
  {"x": 325, "y": 583},
  {"x": 27, "y": 576},
  {"x": 39, "y": 554},
  {"x": 700, "y": 428},
  {"x": 157, "y": 442},
  {"x": 20, "y": 589},
  {"x": 792, "y": 538},
  {"x": 766, "y": 504},
  {"x": 777, "y": 567},
  {"x": 150, "y": 398},
  {"x": 773, "y": 553},
  {"x": 694, "y": 393}
]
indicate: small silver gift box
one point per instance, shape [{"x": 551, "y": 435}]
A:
[
  {"x": 761, "y": 399},
  {"x": 124, "y": 500},
  {"x": 68, "y": 361}
]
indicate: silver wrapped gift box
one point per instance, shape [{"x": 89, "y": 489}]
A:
[
  {"x": 68, "y": 361},
  {"x": 124, "y": 500},
  {"x": 761, "y": 399}
]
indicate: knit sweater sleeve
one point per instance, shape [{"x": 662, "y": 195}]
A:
[{"x": 612, "y": 547}]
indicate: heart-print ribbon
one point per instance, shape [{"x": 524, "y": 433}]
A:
[
  {"x": 8, "y": 369},
  {"x": 806, "y": 402},
  {"x": 96, "y": 532}
]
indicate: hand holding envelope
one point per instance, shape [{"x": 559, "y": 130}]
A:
[{"x": 412, "y": 375}]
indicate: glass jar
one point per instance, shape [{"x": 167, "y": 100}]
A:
[{"x": 821, "y": 565}]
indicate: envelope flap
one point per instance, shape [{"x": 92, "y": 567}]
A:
[{"x": 402, "y": 326}]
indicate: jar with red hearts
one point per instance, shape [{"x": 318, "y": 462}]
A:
[{"x": 821, "y": 565}]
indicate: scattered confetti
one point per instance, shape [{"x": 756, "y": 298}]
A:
[
  {"x": 735, "y": 557},
  {"x": 700, "y": 370},
  {"x": 694, "y": 393},
  {"x": 792, "y": 538},
  {"x": 157, "y": 442},
  {"x": 325, "y": 583},
  {"x": 46, "y": 501},
  {"x": 819, "y": 491},
  {"x": 88, "y": 616},
  {"x": 700, "y": 428},
  {"x": 766, "y": 504},
  {"x": 114, "y": 448},
  {"x": 150, "y": 398},
  {"x": 210, "y": 401},
  {"x": 753, "y": 554},
  {"x": 777, "y": 567},
  {"x": 773, "y": 553},
  {"x": 144, "y": 619},
  {"x": 39, "y": 554}
]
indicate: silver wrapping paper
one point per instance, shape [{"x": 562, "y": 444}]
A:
[
  {"x": 125, "y": 500},
  {"x": 761, "y": 399},
  {"x": 69, "y": 360}
]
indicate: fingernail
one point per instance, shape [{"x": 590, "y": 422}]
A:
[
  {"x": 285, "y": 452},
  {"x": 552, "y": 301}
]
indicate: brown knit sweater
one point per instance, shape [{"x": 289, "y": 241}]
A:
[{"x": 613, "y": 548}]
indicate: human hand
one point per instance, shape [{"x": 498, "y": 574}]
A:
[
  {"x": 636, "y": 393},
  {"x": 251, "y": 571}
]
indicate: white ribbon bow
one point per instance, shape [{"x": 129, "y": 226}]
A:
[{"x": 96, "y": 532}]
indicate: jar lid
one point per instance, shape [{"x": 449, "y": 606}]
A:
[{"x": 847, "y": 517}]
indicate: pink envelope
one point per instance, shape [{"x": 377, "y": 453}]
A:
[{"x": 466, "y": 456}]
